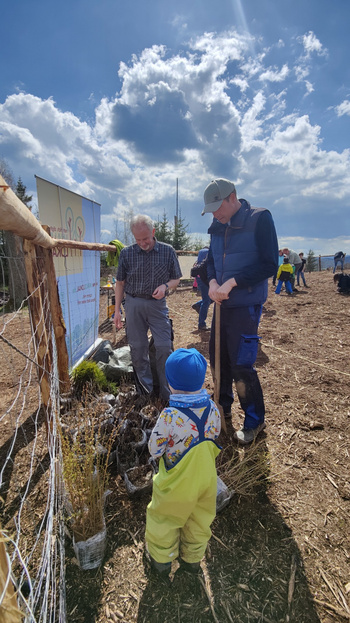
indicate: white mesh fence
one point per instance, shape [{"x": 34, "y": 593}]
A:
[{"x": 30, "y": 479}]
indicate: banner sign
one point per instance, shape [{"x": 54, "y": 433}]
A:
[{"x": 72, "y": 217}]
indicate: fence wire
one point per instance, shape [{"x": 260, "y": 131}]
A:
[{"x": 30, "y": 474}]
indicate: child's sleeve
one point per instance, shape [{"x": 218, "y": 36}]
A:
[
  {"x": 160, "y": 434},
  {"x": 213, "y": 426}
]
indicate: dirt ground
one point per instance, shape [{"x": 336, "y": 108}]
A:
[{"x": 281, "y": 553}]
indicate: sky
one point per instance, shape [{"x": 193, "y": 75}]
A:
[{"x": 117, "y": 100}]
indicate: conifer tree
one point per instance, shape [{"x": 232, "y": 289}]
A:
[
  {"x": 21, "y": 193},
  {"x": 181, "y": 239},
  {"x": 163, "y": 231},
  {"x": 311, "y": 261}
]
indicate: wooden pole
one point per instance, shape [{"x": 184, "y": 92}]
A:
[
  {"x": 217, "y": 371},
  {"x": 84, "y": 246},
  {"x": 16, "y": 217},
  {"x": 37, "y": 314},
  {"x": 9, "y": 612},
  {"x": 58, "y": 323}
]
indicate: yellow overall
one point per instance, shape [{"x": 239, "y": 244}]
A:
[{"x": 183, "y": 506}]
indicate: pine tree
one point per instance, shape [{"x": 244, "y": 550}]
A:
[
  {"x": 21, "y": 194},
  {"x": 181, "y": 240},
  {"x": 163, "y": 231},
  {"x": 311, "y": 261}
]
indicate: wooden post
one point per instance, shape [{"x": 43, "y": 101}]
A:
[
  {"x": 59, "y": 326},
  {"x": 15, "y": 217},
  {"x": 217, "y": 370},
  {"x": 42, "y": 339},
  {"x": 9, "y": 612}
]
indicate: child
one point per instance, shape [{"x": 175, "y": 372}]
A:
[
  {"x": 300, "y": 272},
  {"x": 183, "y": 501},
  {"x": 284, "y": 275}
]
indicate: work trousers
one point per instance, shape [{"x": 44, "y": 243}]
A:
[
  {"x": 141, "y": 315},
  {"x": 238, "y": 351},
  {"x": 183, "y": 506}
]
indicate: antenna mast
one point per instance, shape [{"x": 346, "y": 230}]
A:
[{"x": 177, "y": 203}]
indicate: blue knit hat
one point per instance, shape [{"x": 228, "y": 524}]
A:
[{"x": 185, "y": 369}]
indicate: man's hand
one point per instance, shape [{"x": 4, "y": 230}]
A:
[
  {"x": 221, "y": 293},
  {"x": 118, "y": 319},
  {"x": 159, "y": 293}
]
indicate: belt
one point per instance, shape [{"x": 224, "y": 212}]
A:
[{"x": 141, "y": 296}]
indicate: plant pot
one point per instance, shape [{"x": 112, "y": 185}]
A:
[
  {"x": 127, "y": 458},
  {"x": 138, "y": 480},
  {"x": 140, "y": 438},
  {"x": 90, "y": 553},
  {"x": 149, "y": 416}
]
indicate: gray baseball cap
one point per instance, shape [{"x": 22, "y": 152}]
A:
[{"x": 215, "y": 193}]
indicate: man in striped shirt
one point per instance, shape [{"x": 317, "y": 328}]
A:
[{"x": 146, "y": 270}]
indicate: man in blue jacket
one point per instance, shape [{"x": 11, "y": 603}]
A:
[{"x": 243, "y": 254}]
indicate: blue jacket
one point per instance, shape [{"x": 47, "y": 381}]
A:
[{"x": 245, "y": 248}]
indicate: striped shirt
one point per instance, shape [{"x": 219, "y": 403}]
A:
[{"x": 144, "y": 271}]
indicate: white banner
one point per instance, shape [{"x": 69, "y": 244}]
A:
[{"x": 72, "y": 217}]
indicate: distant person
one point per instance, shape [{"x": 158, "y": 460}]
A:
[
  {"x": 300, "y": 273},
  {"x": 284, "y": 276},
  {"x": 146, "y": 271},
  {"x": 295, "y": 260},
  {"x": 202, "y": 306},
  {"x": 243, "y": 254},
  {"x": 343, "y": 283},
  {"x": 280, "y": 253},
  {"x": 183, "y": 501},
  {"x": 339, "y": 259}
]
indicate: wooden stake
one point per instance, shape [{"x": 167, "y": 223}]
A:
[
  {"x": 59, "y": 326},
  {"x": 217, "y": 371},
  {"x": 37, "y": 313},
  {"x": 9, "y": 612}
]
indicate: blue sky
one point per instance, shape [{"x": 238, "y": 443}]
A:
[{"x": 116, "y": 100}]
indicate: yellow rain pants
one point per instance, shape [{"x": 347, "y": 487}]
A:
[{"x": 183, "y": 506}]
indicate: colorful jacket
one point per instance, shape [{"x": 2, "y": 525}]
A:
[
  {"x": 175, "y": 433},
  {"x": 285, "y": 272}
]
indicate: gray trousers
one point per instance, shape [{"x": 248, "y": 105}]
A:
[{"x": 142, "y": 315}]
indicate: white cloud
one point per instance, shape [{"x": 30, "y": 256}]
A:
[
  {"x": 275, "y": 75},
  {"x": 213, "y": 110},
  {"x": 303, "y": 67},
  {"x": 343, "y": 108},
  {"x": 312, "y": 44}
]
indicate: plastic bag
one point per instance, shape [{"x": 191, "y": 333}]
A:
[
  {"x": 119, "y": 364},
  {"x": 223, "y": 495},
  {"x": 90, "y": 553},
  {"x": 144, "y": 473}
]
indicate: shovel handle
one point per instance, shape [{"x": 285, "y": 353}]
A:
[{"x": 217, "y": 371}]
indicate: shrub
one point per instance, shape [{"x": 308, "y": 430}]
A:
[
  {"x": 85, "y": 469},
  {"x": 87, "y": 376}
]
